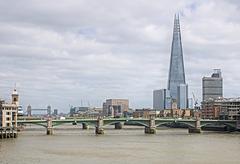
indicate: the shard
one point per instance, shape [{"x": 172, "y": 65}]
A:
[{"x": 176, "y": 70}]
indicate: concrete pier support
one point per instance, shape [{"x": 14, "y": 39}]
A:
[
  {"x": 197, "y": 128},
  {"x": 85, "y": 126},
  {"x": 99, "y": 127},
  {"x": 119, "y": 125},
  {"x": 238, "y": 124},
  {"x": 151, "y": 128},
  {"x": 49, "y": 126}
]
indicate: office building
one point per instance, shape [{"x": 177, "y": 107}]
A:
[
  {"x": 211, "y": 108},
  {"x": 182, "y": 97},
  {"x": 49, "y": 110},
  {"x": 115, "y": 107},
  {"x": 161, "y": 99},
  {"x": 212, "y": 87},
  {"x": 230, "y": 108},
  {"x": 221, "y": 108}
]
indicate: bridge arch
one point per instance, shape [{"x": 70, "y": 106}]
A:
[
  {"x": 143, "y": 123},
  {"x": 34, "y": 123},
  {"x": 227, "y": 124},
  {"x": 92, "y": 124},
  {"x": 189, "y": 125},
  {"x": 112, "y": 122},
  {"x": 70, "y": 122}
]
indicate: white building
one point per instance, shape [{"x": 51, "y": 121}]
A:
[{"x": 9, "y": 112}]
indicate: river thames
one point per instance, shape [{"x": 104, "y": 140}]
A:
[{"x": 129, "y": 145}]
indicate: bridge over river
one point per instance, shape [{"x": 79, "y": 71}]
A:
[{"x": 194, "y": 125}]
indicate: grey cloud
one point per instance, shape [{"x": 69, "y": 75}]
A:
[{"x": 60, "y": 53}]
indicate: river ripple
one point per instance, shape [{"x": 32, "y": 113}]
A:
[{"x": 129, "y": 145}]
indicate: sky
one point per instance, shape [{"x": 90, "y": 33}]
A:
[{"x": 68, "y": 52}]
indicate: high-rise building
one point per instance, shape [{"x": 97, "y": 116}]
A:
[
  {"x": 182, "y": 98},
  {"x": 176, "y": 69},
  {"x": 212, "y": 87},
  {"x": 161, "y": 99},
  {"x": 49, "y": 111}
]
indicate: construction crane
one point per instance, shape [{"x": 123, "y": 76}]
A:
[{"x": 195, "y": 100}]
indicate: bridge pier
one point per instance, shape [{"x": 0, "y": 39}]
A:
[
  {"x": 85, "y": 126},
  {"x": 99, "y": 129},
  {"x": 20, "y": 128},
  {"x": 151, "y": 128},
  {"x": 119, "y": 125},
  {"x": 49, "y": 126},
  {"x": 197, "y": 128},
  {"x": 238, "y": 124}
]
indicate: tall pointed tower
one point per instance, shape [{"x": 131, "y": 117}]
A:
[{"x": 176, "y": 70}]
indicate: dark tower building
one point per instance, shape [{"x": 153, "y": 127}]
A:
[{"x": 176, "y": 69}]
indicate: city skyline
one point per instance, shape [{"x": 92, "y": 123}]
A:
[{"x": 61, "y": 55}]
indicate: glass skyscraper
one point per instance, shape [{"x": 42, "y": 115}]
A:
[
  {"x": 176, "y": 69},
  {"x": 161, "y": 99}
]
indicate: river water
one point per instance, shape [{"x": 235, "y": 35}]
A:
[{"x": 129, "y": 145}]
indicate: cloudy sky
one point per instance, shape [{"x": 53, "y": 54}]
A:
[{"x": 62, "y": 52}]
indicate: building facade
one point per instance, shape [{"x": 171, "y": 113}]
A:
[
  {"x": 182, "y": 98},
  {"x": 161, "y": 99},
  {"x": 212, "y": 87},
  {"x": 230, "y": 109},
  {"x": 49, "y": 110},
  {"x": 211, "y": 108},
  {"x": 115, "y": 107},
  {"x": 145, "y": 113},
  {"x": 221, "y": 108},
  {"x": 9, "y": 112}
]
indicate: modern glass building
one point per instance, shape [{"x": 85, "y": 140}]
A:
[
  {"x": 176, "y": 69},
  {"x": 182, "y": 99},
  {"x": 161, "y": 99},
  {"x": 176, "y": 79}
]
